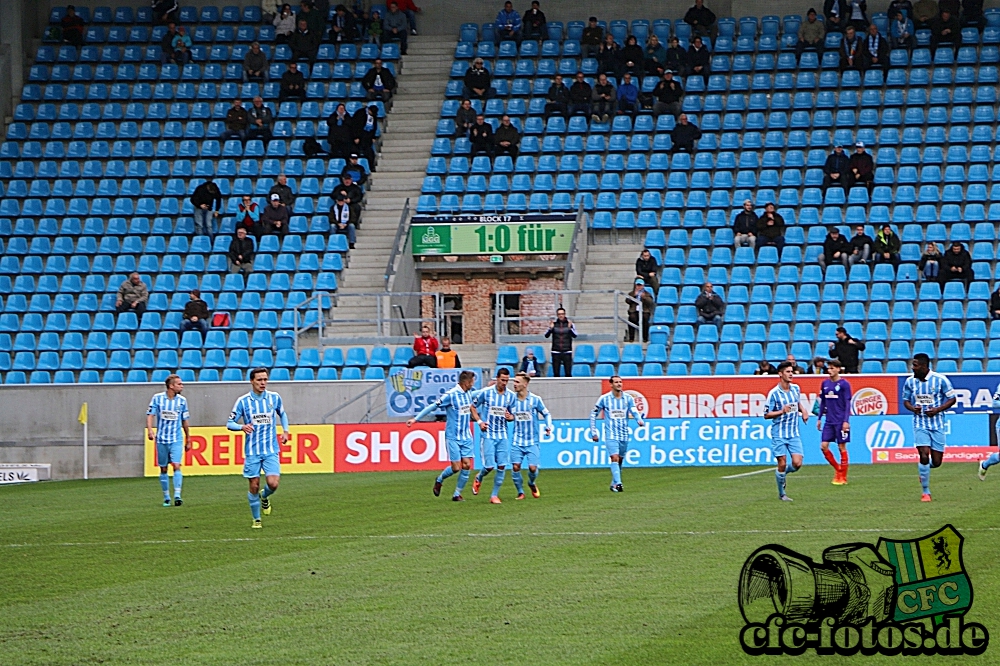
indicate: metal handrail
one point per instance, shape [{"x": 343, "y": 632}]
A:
[
  {"x": 561, "y": 298},
  {"x": 383, "y": 317},
  {"x": 367, "y": 395},
  {"x": 401, "y": 233}
]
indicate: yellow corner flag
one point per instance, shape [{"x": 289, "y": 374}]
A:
[{"x": 82, "y": 418}]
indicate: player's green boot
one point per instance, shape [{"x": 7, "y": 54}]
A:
[
  {"x": 256, "y": 524},
  {"x": 265, "y": 504},
  {"x": 166, "y": 502}
]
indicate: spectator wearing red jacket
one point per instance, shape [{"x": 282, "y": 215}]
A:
[{"x": 425, "y": 347}]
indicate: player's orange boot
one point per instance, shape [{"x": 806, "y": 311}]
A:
[
  {"x": 843, "y": 475},
  {"x": 926, "y": 497},
  {"x": 838, "y": 478},
  {"x": 534, "y": 491},
  {"x": 475, "y": 485},
  {"x": 495, "y": 500},
  {"x": 519, "y": 496}
]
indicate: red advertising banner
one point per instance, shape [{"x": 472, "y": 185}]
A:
[
  {"x": 382, "y": 447},
  {"x": 718, "y": 397},
  {"x": 963, "y": 454}
]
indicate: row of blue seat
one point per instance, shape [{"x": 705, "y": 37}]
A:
[
  {"x": 186, "y": 14},
  {"x": 175, "y": 187},
  {"x": 145, "y": 206},
  {"x": 161, "y": 226},
  {"x": 187, "y": 375},
  {"x": 128, "y": 73},
  {"x": 178, "y": 168},
  {"x": 185, "y": 91},
  {"x": 672, "y": 293},
  {"x": 59, "y": 322},
  {"x": 831, "y": 313},
  {"x": 176, "y": 111},
  {"x": 165, "y": 148},
  {"x": 217, "y": 53}
]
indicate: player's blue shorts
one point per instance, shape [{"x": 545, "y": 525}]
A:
[
  {"x": 615, "y": 447},
  {"x": 495, "y": 452},
  {"x": 269, "y": 463},
  {"x": 459, "y": 450},
  {"x": 169, "y": 452},
  {"x": 525, "y": 455},
  {"x": 833, "y": 432},
  {"x": 932, "y": 438},
  {"x": 786, "y": 446}
]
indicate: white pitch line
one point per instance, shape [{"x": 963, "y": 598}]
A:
[{"x": 759, "y": 471}]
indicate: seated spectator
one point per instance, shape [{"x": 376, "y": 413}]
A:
[
  {"x": 684, "y": 135},
  {"x": 196, "y": 314},
  {"x": 640, "y": 298},
  {"x": 410, "y": 10},
  {"x": 857, "y": 12},
  {"x": 972, "y": 15},
  {"x": 772, "y": 228},
  {"x": 364, "y": 124},
  {"x": 379, "y": 82},
  {"x": 167, "y": 44},
  {"x": 304, "y": 42},
  {"x": 72, "y": 27},
  {"x": 580, "y": 94},
  {"x": 592, "y": 38},
  {"x": 506, "y": 139},
  {"x": 602, "y": 100},
  {"x": 132, "y": 296},
  {"x": 836, "y": 15},
  {"x": 481, "y": 137},
  {"x": 946, "y": 31},
  {"x": 647, "y": 268},
  {"x": 164, "y": 11},
  {"x": 709, "y": 306},
  {"x": 274, "y": 219},
  {"x": 667, "y": 95},
  {"x": 284, "y": 192},
  {"x": 847, "y": 350},
  {"x": 352, "y": 196},
  {"x": 293, "y": 84},
  {"x": 887, "y": 247},
  {"x": 394, "y": 26},
  {"x": 237, "y": 122},
  {"x": 255, "y": 64},
  {"x": 764, "y": 367},
  {"x": 425, "y": 347},
  {"x": 478, "y": 81},
  {"x": 182, "y": 52},
  {"x": 340, "y": 132},
  {"x": 241, "y": 251},
  {"x": 745, "y": 226},
  {"x": 628, "y": 96},
  {"x": 609, "y": 57},
  {"x": 632, "y": 57},
  {"x": 248, "y": 216},
  {"x": 269, "y": 10},
  {"x": 342, "y": 28},
  {"x": 924, "y": 13},
  {"x": 465, "y": 118},
  {"x": 507, "y": 25},
  {"x": 837, "y": 170},
  {"x": 899, "y": 5},
  {"x": 375, "y": 32},
  {"x": 284, "y": 24},
  {"x": 957, "y": 265},
  {"x": 812, "y": 35},
  {"x": 901, "y": 32},
  {"x": 836, "y": 249},
  {"x": 207, "y": 202},
  {"x": 862, "y": 167},
  {"x": 531, "y": 367},
  {"x": 699, "y": 60},
  {"x": 796, "y": 368},
  {"x": 655, "y": 57},
  {"x": 930, "y": 262},
  {"x": 861, "y": 246},
  {"x": 260, "y": 120},
  {"x": 876, "y": 49},
  {"x": 702, "y": 20},
  {"x": 556, "y": 99},
  {"x": 445, "y": 355},
  {"x": 356, "y": 170},
  {"x": 818, "y": 366},
  {"x": 340, "y": 219},
  {"x": 852, "y": 51},
  {"x": 995, "y": 303},
  {"x": 535, "y": 26},
  {"x": 676, "y": 59},
  {"x": 314, "y": 17}
]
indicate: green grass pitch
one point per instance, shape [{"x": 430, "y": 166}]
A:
[{"x": 372, "y": 569}]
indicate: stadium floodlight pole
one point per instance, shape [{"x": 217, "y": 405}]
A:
[{"x": 83, "y": 418}]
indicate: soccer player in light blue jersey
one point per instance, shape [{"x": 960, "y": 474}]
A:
[
  {"x": 525, "y": 449},
  {"x": 994, "y": 457},
  {"x": 495, "y": 402},
  {"x": 927, "y": 394},
  {"x": 259, "y": 410},
  {"x": 784, "y": 407},
  {"x": 459, "y": 415},
  {"x": 166, "y": 417},
  {"x": 617, "y": 406}
]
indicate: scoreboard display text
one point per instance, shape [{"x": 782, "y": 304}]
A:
[{"x": 516, "y": 237}]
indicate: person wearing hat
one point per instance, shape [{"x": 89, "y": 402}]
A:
[
  {"x": 837, "y": 170},
  {"x": 352, "y": 196},
  {"x": 355, "y": 169},
  {"x": 957, "y": 265},
  {"x": 812, "y": 35},
  {"x": 340, "y": 219},
  {"x": 274, "y": 219},
  {"x": 887, "y": 246},
  {"x": 365, "y": 127},
  {"x": 862, "y": 167},
  {"x": 699, "y": 59},
  {"x": 640, "y": 296},
  {"x": 676, "y": 58},
  {"x": 477, "y": 81},
  {"x": 709, "y": 306},
  {"x": 836, "y": 249},
  {"x": 745, "y": 226},
  {"x": 379, "y": 82},
  {"x": 72, "y": 27},
  {"x": 507, "y": 25},
  {"x": 284, "y": 192},
  {"x": 534, "y": 22},
  {"x": 592, "y": 38},
  {"x": 772, "y": 228},
  {"x": 684, "y": 135},
  {"x": 667, "y": 95}
]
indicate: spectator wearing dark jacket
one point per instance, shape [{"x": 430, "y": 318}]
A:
[
  {"x": 957, "y": 265},
  {"x": 167, "y": 44},
  {"x": 702, "y": 20},
  {"x": 293, "y": 84},
  {"x": 304, "y": 42},
  {"x": 847, "y": 350},
  {"x": 394, "y": 25},
  {"x": 887, "y": 247},
  {"x": 353, "y": 196},
  {"x": 285, "y": 194},
  {"x": 592, "y": 38},
  {"x": 196, "y": 314},
  {"x": 684, "y": 135},
  {"x": 164, "y": 11},
  {"x": 772, "y": 229},
  {"x": 207, "y": 202},
  {"x": 355, "y": 169},
  {"x": 255, "y": 64},
  {"x": 655, "y": 57},
  {"x": 857, "y": 13},
  {"x": 240, "y": 254},
  {"x": 478, "y": 81},
  {"x": 765, "y": 367},
  {"x": 930, "y": 262},
  {"x": 709, "y": 306},
  {"x": 946, "y": 31},
  {"x": 315, "y": 20},
  {"x": 534, "y": 25},
  {"x": 237, "y": 122},
  {"x": 647, "y": 268},
  {"x": 379, "y": 82},
  {"x": 745, "y": 226},
  {"x": 640, "y": 299},
  {"x": 609, "y": 57},
  {"x": 506, "y": 139},
  {"x": 530, "y": 365},
  {"x": 72, "y": 27},
  {"x": 259, "y": 119},
  {"x": 836, "y": 249},
  {"x": 481, "y": 137},
  {"x": 274, "y": 219},
  {"x": 580, "y": 94},
  {"x": 676, "y": 59},
  {"x": 556, "y": 99},
  {"x": 465, "y": 118},
  {"x": 667, "y": 95},
  {"x": 972, "y": 15},
  {"x": 632, "y": 57},
  {"x": 699, "y": 60},
  {"x": 342, "y": 28},
  {"x": 876, "y": 49},
  {"x": 837, "y": 170},
  {"x": 364, "y": 127},
  {"x": 862, "y": 167},
  {"x": 852, "y": 51},
  {"x": 995, "y": 304},
  {"x": 602, "y": 100},
  {"x": 340, "y": 132},
  {"x": 837, "y": 15},
  {"x": 861, "y": 246}
]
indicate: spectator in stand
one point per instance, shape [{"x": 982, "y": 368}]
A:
[
  {"x": 602, "y": 100},
  {"x": 852, "y": 55},
  {"x": 676, "y": 59},
  {"x": 132, "y": 296},
  {"x": 477, "y": 81},
  {"x": 683, "y": 136},
  {"x": 592, "y": 38},
  {"x": 904, "y": 5},
  {"x": 957, "y": 265},
  {"x": 269, "y": 10},
  {"x": 293, "y": 84},
  {"x": 772, "y": 229},
  {"x": 995, "y": 303},
  {"x": 207, "y": 202},
  {"x": 858, "y": 14},
  {"x": 580, "y": 94},
  {"x": 861, "y": 246},
  {"x": 846, "y": 350},
  {"x": 72, "y": 27},
  {"x": 556, "y": 99},
  {"x": 410, "y": 10},
  {"x": 284, "y": 24},
  {"x": 196, "y": 314},
  {"x": 924, "y": 13},
  {"x": 182, "y": 48},
  {"x": 640, "y": 298},
  {"x": 837, "y": 170},
  {"x": 248, "y": 216},
  {"x": 647, "y": 268},
  {"x": 260, "y": 121},
  {"x": 465, "y": 117},
  {"x": 930, "y": 262},
  {"x": 796, "y": 368},
  {"x": 609, "y": 57},
  {"x": 379, "y": 82},
  {"x": 632, "y": 57},
  {"x": 355, "y": 169},
  {"x": 507, "y": 25},
  {"x": 365, "y": 127},
  {"x": 167, "y": 44},
  {"x": 745, "y": 226},
  {"x": 628, "y": 96},
  {"x": 764, "y": 367},
  {"x": 702, "y": 20},
  {"x": 946, "y": 31},
  {"x": 529, "y": 364},
  {"x": 352, "y": 196},
  {"x": 506, "y": 139},
  {"x": 315, "y": 20},
  {"x": 321, "y": 8},
  {"x": 274, "y": 219},
  {"x": 562, "y": 331},
  {"x": 304, "y": 42},
  {"x": 375, "y": 31},
  {"x": 340, "y": 216},
  {"x": 425, "y": 348},
  {"x": 284, "y": 192},
  {"x": 901, "y": 32},
  {"x": 709, "y": 306},
  {"x": 862, "y": 167},
  {"x": 972, "y": 15},
  {"x": 535, "y": 25},
  {"x": 836, "y": 15},
  {"x": 394, "y": 27},
  {"x": 699, "y": 60},
  {"x": 481, "y": 137},
  {"x": 446, "y": 356},
  {"x": 164, "y": 11},
  {"x": 836, "y": 249},
  {"x": 241, "y": 251},
  {"x": 887, "y": 247},
  {"x": 876, "y": 49},
  {"x": 339, "y": 132},
  {"x": 255, "y": 64},
  {"x": 237, "y": 122},
  {"x": 667, "y": 95},
  {"x": 812, "y": 35},
  {"x": 655, "y": 57},
  {"x": 343, "y": 30},
  {"x": 818, "y": 366}
]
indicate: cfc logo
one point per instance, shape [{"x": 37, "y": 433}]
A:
[
  {"x": 640, "y": 402},
  {"x": 869, "y": 402},
  {"x": 884, "y": 435}
]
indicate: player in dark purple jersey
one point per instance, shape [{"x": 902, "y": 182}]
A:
[{"x": 835, "y": 404}]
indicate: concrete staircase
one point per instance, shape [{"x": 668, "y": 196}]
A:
[{"x": 608, "y": 267}]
